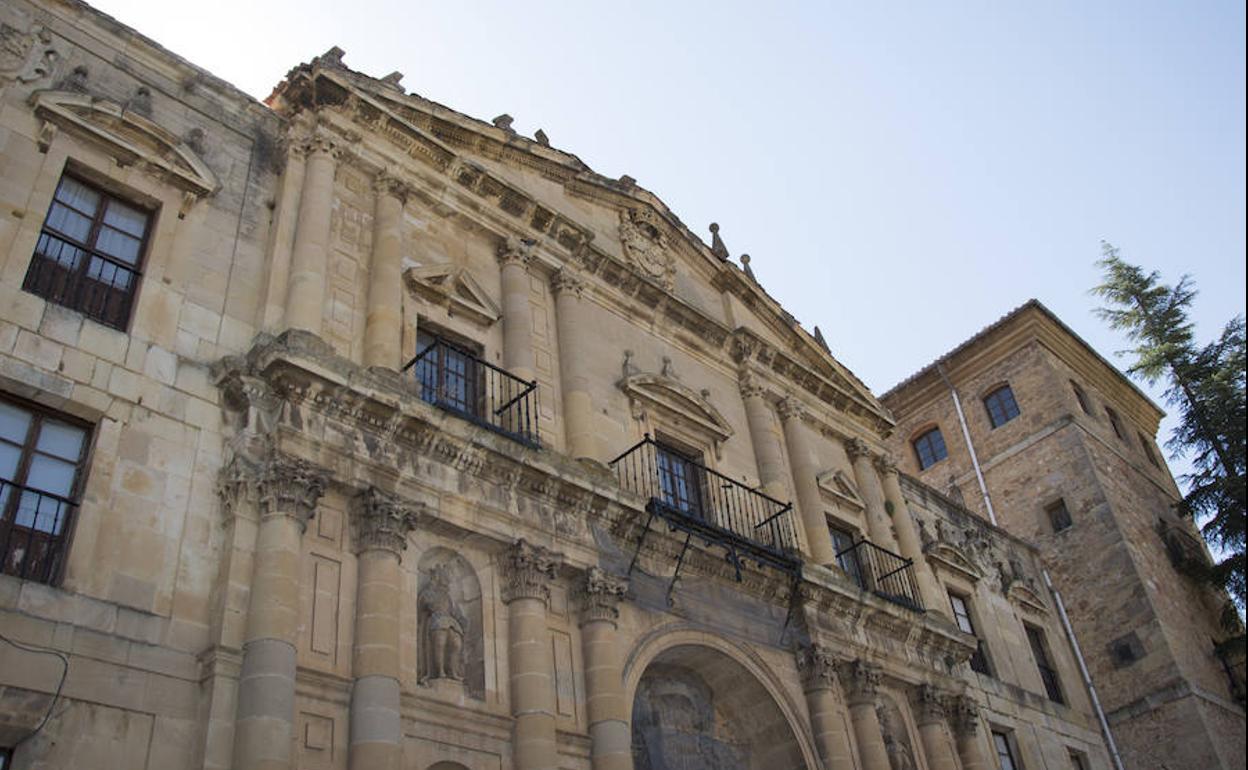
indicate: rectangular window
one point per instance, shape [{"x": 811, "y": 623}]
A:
[
  {"x": 681, "y": 480},
  {"x": 846, "y": 555},
  {"x": 1081, "y": 397},
  {"x": 1078, "y": 760},
  {"x": 1059, "y": 516},
  {"x": 90, "y": 252},
  {"x": 930, "y": 448},
  {"x": 448, "y": 374},
  {"x": 41, "y": 459},
  {"x": 1003, "y": 744},
  {"x": 1001, "y": 406},
  {"x": 962, "y": 616},
  {"x": 1048, "y": 674}
]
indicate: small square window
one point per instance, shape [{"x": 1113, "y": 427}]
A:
[
  {"x": 1059, "y": 516},
  {"x": 930, "y": 448},
  {"x": 1078, "y": 760},
  {"x": 1001, "y": 406},
  {"x": 89, "y": 254}
]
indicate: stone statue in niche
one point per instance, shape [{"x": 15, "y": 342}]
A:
[
  {"x": 896, "y": 736},
  {"x": 444, "y": 627}
]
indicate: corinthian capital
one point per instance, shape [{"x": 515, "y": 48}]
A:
[
  {"x": 931, "y": 704},
  {"x": 964, "y": 715},
  {"x": 382, "y": 522},
  {"x": 515, "y": 251},
  {"x": 321, "y": 143},
  {"x": 818, "y": 667},
  {"x": 857, "y": 448},
  {"x": 791, "y": 409},
  {"x": 600, "y": 596},
  {"x": 292, "y": 487},
  {"x": 567, "y": 281},
  {"x": 527, "y": 571},
  {"x": 387, "y": 184},
  {"x": 886, "y": 464},
  {"x": 862, "y": 681}
]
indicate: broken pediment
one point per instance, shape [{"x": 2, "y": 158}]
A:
[
  {"x": 127, "y": 136},
  {"x": 837, "y": 484},
  {"x": 455, "y": 289},
  {"x": 952, "y": 558},
  {"x": 675, "y": 400}
]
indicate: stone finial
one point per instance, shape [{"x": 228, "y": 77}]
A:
[
  {"x": 862, "y": 680},
  {"x": 669, "y": 369},
  {"x": 931, "y": 703},
  {"x": 541, "y": 137},
  {"x": 790, "y": 408},
  {"x": 964, "y": 715},
  {"x": 856, "y": 448},
  {"x": 382, "y": 522},
  {"x": 394, "y": 79},
  {"x": 194, "y": 139},
  {"x": 745, "y": 265},
  {"x": 818, "y": 667},
  {"x": 886, "y": 464},
  {"x": 516, "y": 251},
  {"x": 629, "y": 368},
  {"x": 290, "y": 486},
  {"x": 527, "y": 571},
  {"x": 627, "y": 181},
  {"x": 600, "y": 596},
  {"x": 331, "y": 58},
  {"x": 821, "y": 342},
  {"x": 567, "y": 281},
  {"x": 717, "y": 244},
  {"x": 504, "y": 122}
]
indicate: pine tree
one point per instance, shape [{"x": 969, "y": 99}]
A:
[{"x": 1206, "y": 385}]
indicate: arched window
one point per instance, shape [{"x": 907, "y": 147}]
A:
[
  {"x": 1001, "y": 406},
  {"x": 1081, "y": 397},
  {"x": 929, "y": 447}
]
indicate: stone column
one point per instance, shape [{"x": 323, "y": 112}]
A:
[
  {"x": 932, "y": 732},
  {"x": 381, "y": 528},
  {"x": 309, "y": 261},
  {"x": 761, "y": 421},
  {"x": 527, "y": 572},
  {"x": 610, "y": 739},
  {"x": 809, "y": 498},
  {"x": 908, "y": 537},
  {"x": 969, "y": 740},
  {"x": 383, "y": 325},
  {"x": 514, "y": 258},
  {"x": 574, "y": 338},
  {"x": 862, "y": 681},
  {"x": 818, "y": 668},
  {"x": 879, "y": 528},
  {"x": 263, "y": 731}
]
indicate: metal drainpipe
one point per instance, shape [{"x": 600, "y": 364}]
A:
[
  {"x": 1083, "y": 671},
  {"x": 966, "y": 434}
]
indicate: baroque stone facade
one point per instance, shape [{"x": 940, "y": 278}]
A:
[{"x": 398, "y": 440}]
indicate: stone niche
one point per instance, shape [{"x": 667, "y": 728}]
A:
[
  {"x": 897, "y": 741},
  {"x": 451, "y": 650}
]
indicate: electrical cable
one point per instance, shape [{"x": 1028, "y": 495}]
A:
[{"x": 59, "y": 685}]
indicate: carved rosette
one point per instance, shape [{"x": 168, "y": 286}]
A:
[
  {"x": 527, "y": 571},
  {"x": 886, "y": 464},
  {"x": 857, "y": 448},
  {"x": 818, "y": 667},
  {"x": 964, "y": 715},
  {"x": 930, "y": 704},
  {"x": 515, "y": 251},
  {"x": 567, "y": 281},
  {"x": 862, "y": 681},
  {"x": 387, "y": 184},
  {"x": 791, "y": 409},
  {"x": 289, "y": 486},
  {"x": 382, "y": 522},
  {"x": 600, "y": 596}
]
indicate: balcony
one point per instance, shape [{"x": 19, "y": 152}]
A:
[
  {"x": 691, "y": 498},
  {"x": 34, "y": 528},
  {"x": 881, "y": 572},
  {"x": 452, "y": 378}
]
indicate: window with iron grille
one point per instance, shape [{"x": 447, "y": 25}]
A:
[
  {"x": 448, "y": 373},
  {"x": 41, "y": 462},
  {"x": 681, "y": 479},
  {"x": 930, "y": 448},
  {"x": 962, "y": 616},
  {"x": 90, "y": 252},
  {"x": 1004, "y": 744},
  {"x": 847, "y": 555},
  {"x": 1059, "y": 515},
  {"x": 1001, "y": 406},
  {"x": 1048, "y": 674}
]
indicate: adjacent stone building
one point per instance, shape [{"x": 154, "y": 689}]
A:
[
  {"x": 1026, "y": 425},
  {"x": 347, "y": 431}
]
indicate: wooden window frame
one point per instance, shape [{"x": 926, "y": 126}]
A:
[
  {"x": 919, "y": 439},
  {"x": 690, "y": 461},
  {"x": 76, "y": 281},
  {"x": 1002, "y": 398}
]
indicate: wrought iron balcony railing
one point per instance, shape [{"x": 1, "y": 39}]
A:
[
  {"x": 882, "y": 572},
  {"x": 708, "y": 505},
  {"x": 450, "y": 377},
  {"x": 34, "y": 531}
]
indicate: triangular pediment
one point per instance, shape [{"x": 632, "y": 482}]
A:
[
  {"x": 678, "y": 400},
  {"x": 952, "y": 558},
  {"x": 1022, "y": 594},
  {"x": 838, "y": 484},
  {"x": 455, "y": 289},
  {"x": 128, "y": 137}
]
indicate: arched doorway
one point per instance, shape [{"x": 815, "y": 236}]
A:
[{"x": 695, "y": 708}]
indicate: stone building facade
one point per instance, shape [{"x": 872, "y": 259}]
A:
[
  {"x": 1065, "y": 447},
  {"x": 347, "y": 431}
]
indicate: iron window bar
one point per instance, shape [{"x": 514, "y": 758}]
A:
[
  {"x": 34, "y": 531},
  {"x": 883, "y": 573},
  {"x": 456, "y": 380}
]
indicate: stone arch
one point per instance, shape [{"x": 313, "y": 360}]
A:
[
  {"x": 449, "y": 596},
  {"x": 700, "y": 701}
]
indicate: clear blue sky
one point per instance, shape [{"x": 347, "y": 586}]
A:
[{"x": 902, "y": 174}]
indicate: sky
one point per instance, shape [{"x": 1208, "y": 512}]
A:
[{"x": 902, "y": 174}]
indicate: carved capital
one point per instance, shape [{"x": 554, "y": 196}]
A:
[
  {"x": 856, "y": 448},
  {"x": 930, "y": 704},
  {"x": 567, "y": 281},
  {"x": 964, "y": 715},
  {"x": 386, "y": 184},
  {"x": 600, "y": 596},
  {"x": 818, "y": 667},
  {"x": 527, "y": 571},
  {"x": 743, "y": 347},
  {"x": 515, "y": 251},
  {"x": 382, "y": 522},
  {"x": 791, "y": 409},
  {"x": 750, "y": 386},
  {"x": 862, "y": 681},
  {"x": 886, "y": 464},
  {"x": 322, "y": 144},
  {"x": 292, "y": 487}
]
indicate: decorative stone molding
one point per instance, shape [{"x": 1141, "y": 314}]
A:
[
  {"x": 964, "y": 715},
  {"x": 387, "y": 184},
  {"x": 27, "y": 51},
  {"x": 791, "y": 409},
  {"x": 818, "y": 667},
  {"x": 290, "y": 486},
  {"x": 856, "y": 448},
  {"x": 527, "y": 571},
  {"x": 886, "y": 464},
  {"x": 601, "y": 594},
  {"x": 862, "y": 681},
  {"x": 515, "y": 251},
  {"x": 382, "y": 522},
  {"x": 931, "y": 704},
  {"x": 567, "y": 281}
]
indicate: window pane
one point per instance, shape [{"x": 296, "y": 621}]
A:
[
  {"x": 71, "y": 192},
  {"x": 69, "y": 222},
  {"x": 14, "y": 423},
  {"x": 41, "y": 513},
  {"x": 9, "y": 457},
  {"x": 49, "y": 474},
  {"x": 107, "y": 273},
  {"x": 126, "y": 218},
  {"x": 64, "y": 441},
  {"x": 118, "y": 245}
]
